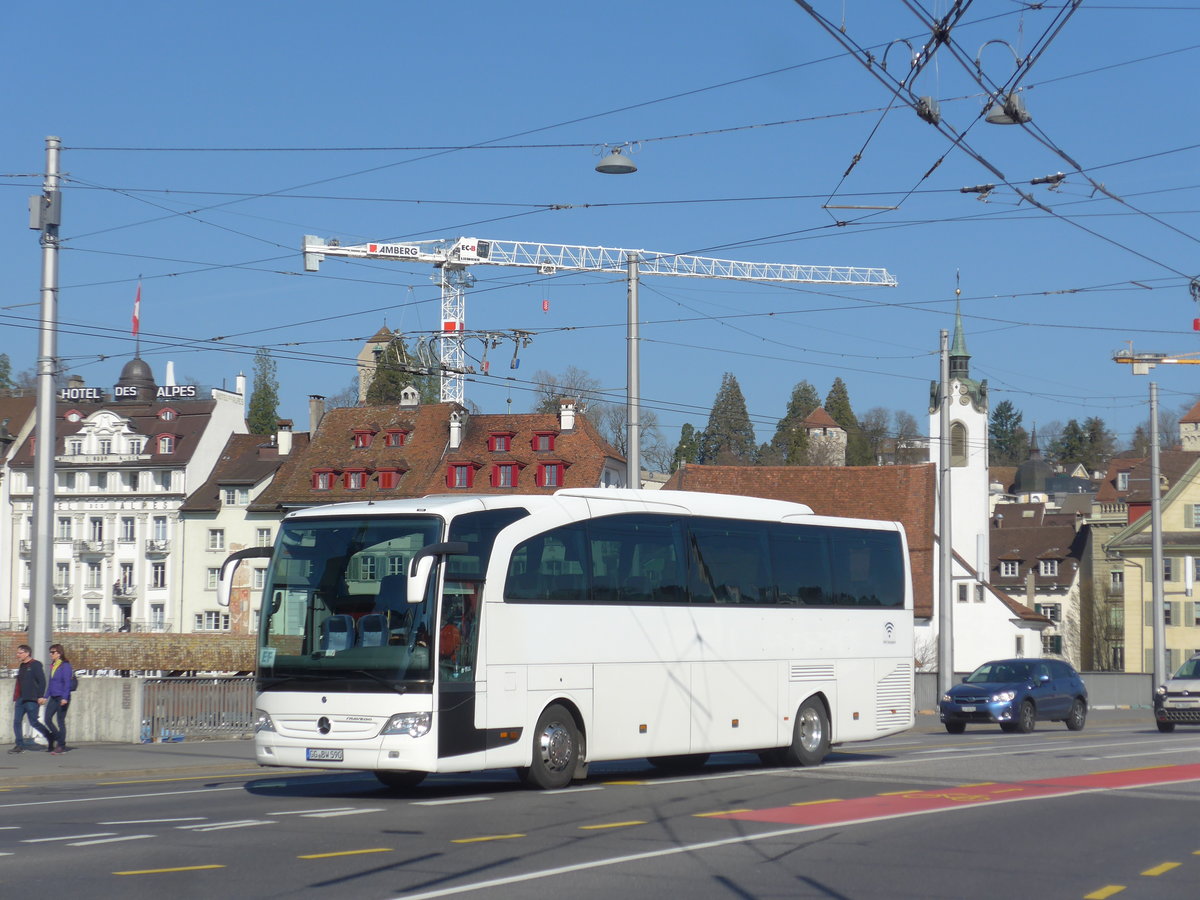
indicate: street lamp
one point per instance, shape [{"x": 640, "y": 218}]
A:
[
  {"x": 616, "y": 162},
  {"x": 1003, "y": 109}
]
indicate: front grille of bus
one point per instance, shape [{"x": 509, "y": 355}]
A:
[{"x": 893, "y": 699}]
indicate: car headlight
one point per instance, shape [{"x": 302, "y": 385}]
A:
[
  {"x": 1004, "y": 696},
  {"x": 1162, "y": 690},
  {"x": 412, "y": 724},
  {"x": 262, "y": 721},
  {"x": 946, "y": 698}
]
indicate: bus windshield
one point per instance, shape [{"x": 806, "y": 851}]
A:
[{"x": 336, "y": 607}]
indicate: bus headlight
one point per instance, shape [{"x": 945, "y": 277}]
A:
[
  {"x": 262, "y": 721},
  {"x": 412, "y": 724}
]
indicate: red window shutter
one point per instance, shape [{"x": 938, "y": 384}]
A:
[{"x": 450, "y": 476}]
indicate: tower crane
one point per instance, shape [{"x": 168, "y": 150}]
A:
[{"x": 453, "y": 260}]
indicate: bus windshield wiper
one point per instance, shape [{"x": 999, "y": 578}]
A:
[{"x": 398, "y": 688}]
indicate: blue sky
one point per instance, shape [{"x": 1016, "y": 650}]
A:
[{"x": 202, "y": 141}]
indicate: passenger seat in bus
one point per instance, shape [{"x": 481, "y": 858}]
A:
[
  {"x": 337, "y": 633},
  {"x": 372, "y": 630}
]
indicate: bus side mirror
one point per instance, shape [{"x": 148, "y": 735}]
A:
[
  {"x": 421, "y": 565},
  {"x": 232, "y": 561}
]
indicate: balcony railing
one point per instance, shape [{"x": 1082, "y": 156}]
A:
[
  {"x": 158, "y": 546},
  {"x": 26, "y": 547},
  {"x": 1116, "y": 591},
  {"x": 94, "y": 548}
]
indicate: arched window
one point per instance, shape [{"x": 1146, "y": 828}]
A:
[{"x": 958, "y": 444}]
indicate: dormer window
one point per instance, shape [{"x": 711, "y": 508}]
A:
[
  {"x": 505, "y": 475},
  {"x": 322, "y": 479},
  {"x": 135, "y": 446},
  {"x": 355, "y": 479},
  {"x": 73, "y": 415},
  {"x": 1049, "y": 567},
  {"x": 363, "y": 438},
  {"x": 394, "y": 437},
  {"x": 167, "y": 414},
  {"x": 550, "y": 474},
  {"x": 75, "y": 448},
  {"x": 389, "y": 479},
  {"x": 500, "y": 442},
  {"x": 1009, "y": 568},
  {"x": 166, "y": 443},
  {"x": 1122, "y": 481},
  {"x": 104, "y": 446},
  {"x": 543, "y": 440},
  {"x": 460, "y": 475}
]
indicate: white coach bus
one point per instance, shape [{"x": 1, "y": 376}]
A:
[{"x": 457, "y": 633}]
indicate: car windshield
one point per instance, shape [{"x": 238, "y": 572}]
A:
[
  {"x": 1000, "y": 673},
  {"x": 1190, "y": 669}
]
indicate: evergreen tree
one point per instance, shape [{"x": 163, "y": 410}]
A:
[
  {"x": 837, "y": 404},
  {"x": 688, "y": 448},
  {"x": 789, "y": 446},
  {"x": 6, "y": 382},
  {"x": 729, "y": 437},
  {"x": 264, "y": 397},
  {"x": 1101, "y": 443},
  {"x": 394, "y": 371},
  {"x": 1141, "y": 442},
  {"x": 1008, "y": 441},
  {"x": 1071, "y": 445}
]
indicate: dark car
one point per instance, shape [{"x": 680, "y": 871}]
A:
[{"x": 1015, "y": 694}]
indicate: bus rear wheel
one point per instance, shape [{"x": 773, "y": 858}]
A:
[
  {"x": 397, "y": 779},
  {"x": 555, "y": 750},
  {"x": 810, "y": 736}
]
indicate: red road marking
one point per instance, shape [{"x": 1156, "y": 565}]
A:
[{"x": 951, "y": 798}]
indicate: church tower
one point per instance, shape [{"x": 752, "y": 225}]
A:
[{"x": 969, "y": 415}]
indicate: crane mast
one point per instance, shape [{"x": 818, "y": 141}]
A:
[{"x": 453, "y": 259}]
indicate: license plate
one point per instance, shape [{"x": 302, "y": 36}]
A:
[
  {"x": 968, "y": 709},
  {"x": 323, "y": 754}
]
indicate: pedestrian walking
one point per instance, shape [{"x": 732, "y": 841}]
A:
[
  {"x": 28, "y": 692},
  {"x": 58, "y": 695}
]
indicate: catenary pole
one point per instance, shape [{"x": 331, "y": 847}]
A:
[
  {"x": 945, "y": 545},
  {"x": 1157, "y": 606},
  {"x": 45, "y": 216},
  {"x": 633, "y": 386}
]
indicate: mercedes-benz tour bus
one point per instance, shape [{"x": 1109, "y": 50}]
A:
[{"x": 456, "y": 633}]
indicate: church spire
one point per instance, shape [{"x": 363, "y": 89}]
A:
[{"x": 959, "y": 357}]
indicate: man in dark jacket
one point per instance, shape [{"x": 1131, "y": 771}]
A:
[{"x": 28, "y": 690}]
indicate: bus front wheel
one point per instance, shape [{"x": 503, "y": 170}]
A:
[
  {"x": 555, "y": 750},
  {"x": 810, "y": 736}
]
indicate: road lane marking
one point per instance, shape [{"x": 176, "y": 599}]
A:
[
  {"x": 489, "y": 837},
  {"x": 155, "y": 794},
  {"x": 163, "y": 871},
  {"x": 214, "y": 777},
  {"x": 111, "y": 840},
  {"x": 308, "y": 812},
  {"x": 719, "y": 812},
  {"x": 342, "y": 812},
  {"x": 451, "y": 801},
  {"x": 1105, "y": 892},
  {"x": 1161, "y": 869},
  {"x": 222, "y": 826},
  {"x": 609, "y": 825},
  {"x": 155, "y": 821},
  {"x": 818, "y": 802},
  {"x": 69, "y": 837},
  {"x": 345, "y": 853}
]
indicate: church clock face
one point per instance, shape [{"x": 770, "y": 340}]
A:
[{"x": 964, "y": 399}]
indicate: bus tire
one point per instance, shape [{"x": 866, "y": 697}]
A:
[
  {"x": 681, "y": 762},
  {"x": 394, "y": 778},
  {"x": 555, "y": 750},
  {"x": 810, "y": 736}
]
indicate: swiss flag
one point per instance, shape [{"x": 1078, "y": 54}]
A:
[{"x": 137, "y": 308}]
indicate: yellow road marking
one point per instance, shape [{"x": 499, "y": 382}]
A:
[
  {"x": 978, "y": 784},
  {"x": 1138, "y": 769},
  {"x": 609, "y": 825},
  {"x": 490, "y": 837},
  {"x": 1105, "y": 892},
  {"x": 161, "y": 871},
  {"x": 344, "y": 853},
  {"x": 189, "y": 778},
  {"x": 888, "y": 794},
  {"x": 719, "y": 812},
  {"x": 624, "y": 782},
  {"x": 1161, "y": 868},
  {"x": 819, "y": 802}
]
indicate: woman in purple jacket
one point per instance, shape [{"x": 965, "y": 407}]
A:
[{"x": 58, "y": 695}]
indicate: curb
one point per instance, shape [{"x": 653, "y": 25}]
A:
[{"x": 9, "y": 781}]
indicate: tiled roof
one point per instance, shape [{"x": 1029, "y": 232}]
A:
[
  {"x": 421, "y": 462},
  {"x": 1172, "y": 466},
  {"x": 246, "y": 460},
  {"x": 1192, "y": 416},
  {"x": 1028, "y": 545},
  {"x": 902, "y": 494},
  {"x": 192, "y": 417},
  {"x": 16, "y": 410},
  {"x": 1108, "y": 492},
  {"x": 819, "y": 418}
]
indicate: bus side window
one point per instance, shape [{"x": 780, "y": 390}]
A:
[
  {"x": 800, "y": 562},
  {"x": 730, "y": 560}
]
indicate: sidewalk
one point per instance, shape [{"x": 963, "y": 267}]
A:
[{"x": 128, "y": 762}]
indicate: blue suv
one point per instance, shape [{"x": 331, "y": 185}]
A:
[{"x": 1015, "y": 694}]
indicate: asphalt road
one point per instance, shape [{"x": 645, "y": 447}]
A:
[{"x": 1104, "y": 812}]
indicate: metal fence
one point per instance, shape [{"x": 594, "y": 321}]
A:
[{"x": 176, "y": 708}]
